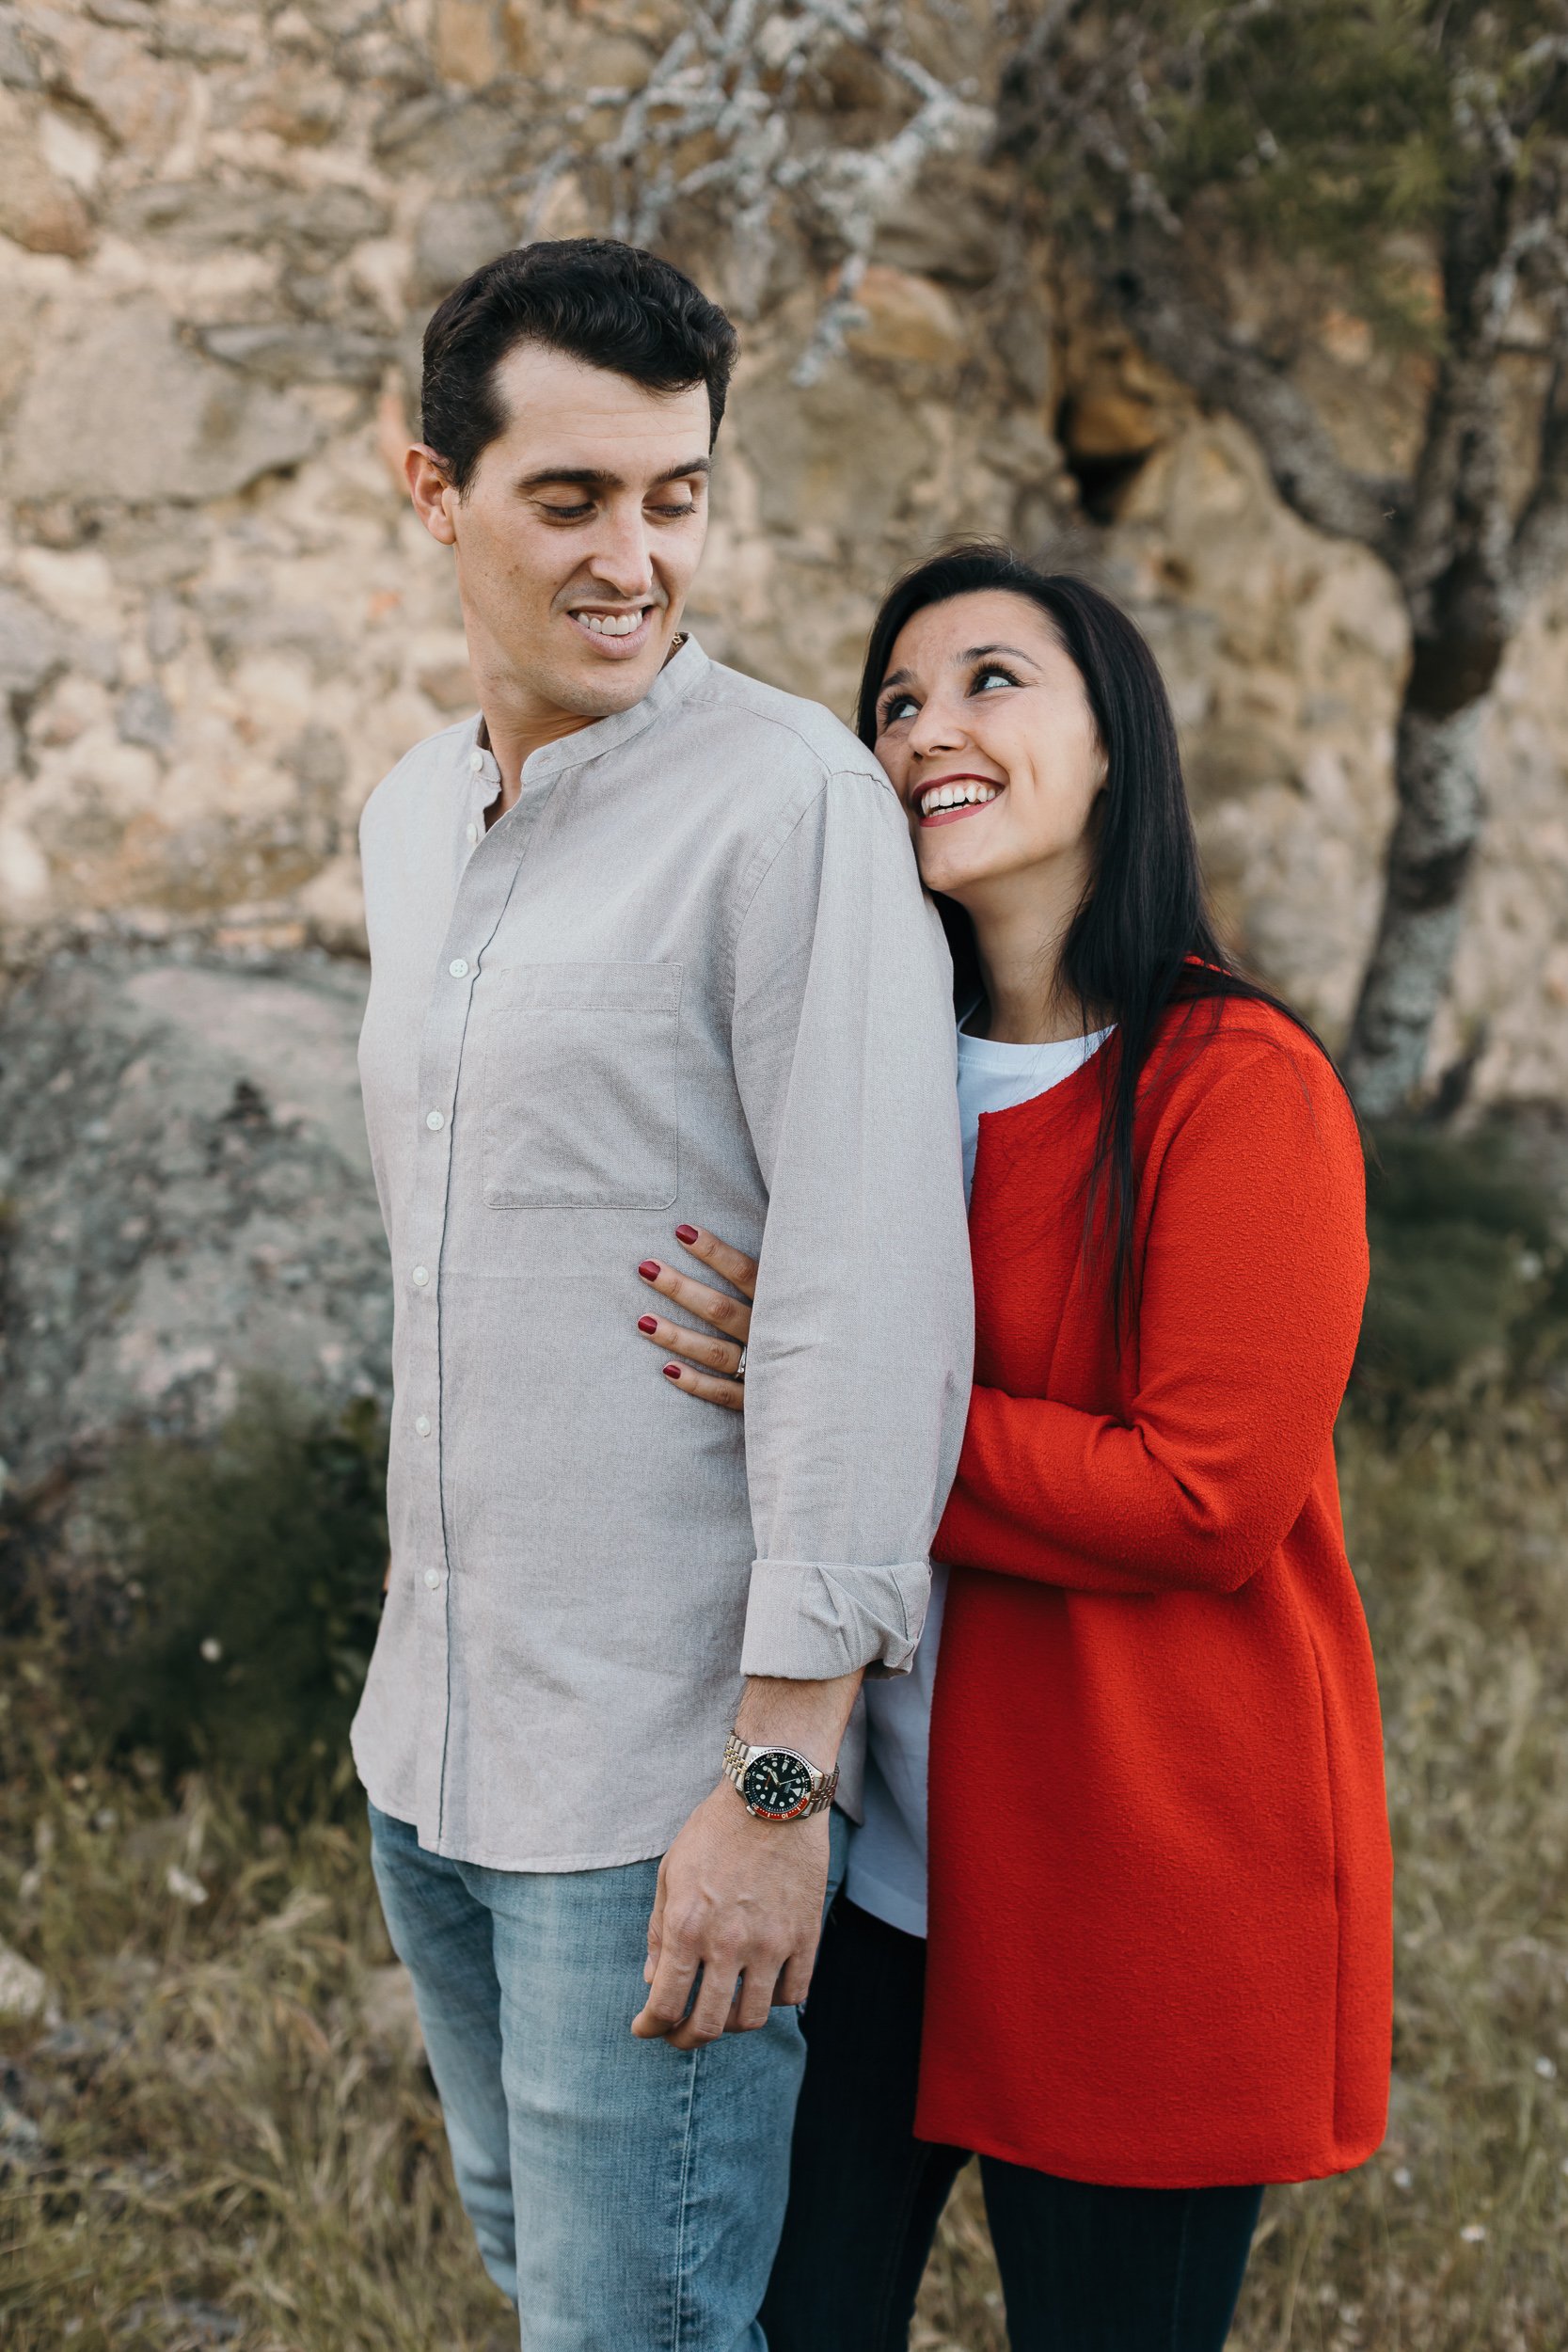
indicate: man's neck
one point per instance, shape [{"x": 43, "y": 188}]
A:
[
  {"x": 515, "y": 723},
  {"x": 513, "y": 728}
]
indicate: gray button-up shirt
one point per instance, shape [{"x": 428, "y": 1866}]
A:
[{"x": 690, "y": 976}]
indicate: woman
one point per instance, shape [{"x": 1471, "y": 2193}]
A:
[{"x": 1157, "y": 1968}]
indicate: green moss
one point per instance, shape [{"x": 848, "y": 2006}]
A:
[
  {"x": 256, "y": 1567},
  {"x": 1466, "y": 1271}
]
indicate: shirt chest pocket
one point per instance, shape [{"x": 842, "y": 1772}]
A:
[{"x": 580, "y": 1063}]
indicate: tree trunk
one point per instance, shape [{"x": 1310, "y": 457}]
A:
[{"x": 1434, "y": 837}]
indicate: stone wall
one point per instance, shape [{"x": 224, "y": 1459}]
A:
[{"x": 221, "y": 228}]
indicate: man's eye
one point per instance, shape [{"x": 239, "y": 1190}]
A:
[
  {"x": 674, "y": 514},
  {"x": 566, "y": 514}
]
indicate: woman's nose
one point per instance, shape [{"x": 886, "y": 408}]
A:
[{"x": 938, "y": 729}]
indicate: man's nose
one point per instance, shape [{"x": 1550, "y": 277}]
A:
[{"x": 622, "y": 557}]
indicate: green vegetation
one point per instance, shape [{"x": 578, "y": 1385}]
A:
[
  {"x": 1468, "y": 1280},
  {"x": 250, "y": 1573},
  {"x": 228, "y": 2137}
]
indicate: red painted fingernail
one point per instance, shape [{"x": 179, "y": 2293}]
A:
[
  {"x": 687, "y": 1233},
  {"x": 672, "y": 1372},
  {"x": 648, "y": 1324},
  {"x": 650, "y": 1269}
]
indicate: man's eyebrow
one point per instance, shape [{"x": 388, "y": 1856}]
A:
[{"x": 594, "y": 478}]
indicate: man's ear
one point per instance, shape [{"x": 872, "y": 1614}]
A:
[{"x": 430, "y": 486}]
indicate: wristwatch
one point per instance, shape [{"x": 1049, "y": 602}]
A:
[{"x": 777, "y": 1784}]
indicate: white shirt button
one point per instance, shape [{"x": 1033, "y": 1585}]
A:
[
  {"x": 458, "y": 967},
  {"x": 476, "y": 761},
  {"x": 473, "y": 836},
  {"x": 421, "y": 1276},
  {"x": 432, "y": 1578},
  {"x": 434, "y": 1121},
  {"x": 422, "y": 1424}
]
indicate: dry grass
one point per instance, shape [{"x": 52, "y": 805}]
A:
[{"x": 227, "y": 2141}]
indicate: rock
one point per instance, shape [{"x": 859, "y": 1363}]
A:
[
  {"x": 460, "y": 142},
  {"x": 839, "y": 454},
  {"x": 211, "y": 216},
  {"x": 950, "y": 226},
  {"x": 907, "y": 318},
  {"x": 23, "y": 1989},
  {"x": 1104, "y": 421},
  {"x": 454, "y": 237},
  {"x": 144, "y": 717},
  {"x": 117, "y": 408},
  {"x": 37, "y": 209},
  {"x": 295, "y": 352},
  {"x": 465, "y": 43},
  {"x": 192, "y": 1198},
  {"x": 19, "y": 68},
  {"x": 32, "y": 646}
]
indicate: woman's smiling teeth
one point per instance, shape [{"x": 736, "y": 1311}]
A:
[{"x": 964, "y": 792}]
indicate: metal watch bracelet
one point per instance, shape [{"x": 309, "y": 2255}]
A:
[{"x": 777, "y": 1784}]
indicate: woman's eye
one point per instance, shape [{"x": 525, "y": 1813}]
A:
[
  {"x": 896, "y": 706},
  {"x": 995, "y": 674}
]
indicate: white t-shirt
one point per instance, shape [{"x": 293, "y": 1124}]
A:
[{"x": 887, "y": 1852}]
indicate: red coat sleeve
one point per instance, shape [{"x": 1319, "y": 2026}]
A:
[{"x": 1255, "y": 1275}]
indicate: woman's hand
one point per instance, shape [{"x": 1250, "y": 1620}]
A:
[{"x": 718, "y": 1351}]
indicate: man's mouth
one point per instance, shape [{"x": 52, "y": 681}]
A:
[
  {"x": 945, "y": 798},
  {"x": 615, "y": 630}
]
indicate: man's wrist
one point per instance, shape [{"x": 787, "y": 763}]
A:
[
  {"x": 777, "y": 1783},
  {"x": 809, "y": 1717}
]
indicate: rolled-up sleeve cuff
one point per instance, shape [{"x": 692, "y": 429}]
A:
[{"x": 809, "y": 1622}]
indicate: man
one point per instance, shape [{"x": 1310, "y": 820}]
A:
[{"x": 649, "y": 953}]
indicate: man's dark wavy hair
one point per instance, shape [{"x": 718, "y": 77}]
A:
[
  {"x": 1143, "y": 941},
  {"x": 611, "y": 306}
]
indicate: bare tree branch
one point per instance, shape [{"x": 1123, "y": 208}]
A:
[
  {"x": 1181, "y": 330},
  {"x": 736, "y": 78},
  {"x": 1541, "y": 537}
]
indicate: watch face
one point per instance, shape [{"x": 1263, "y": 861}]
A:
[{"x": 776, "y": 1783}]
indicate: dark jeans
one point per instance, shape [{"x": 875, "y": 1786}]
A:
[{"x": 1084, "y": 2268}]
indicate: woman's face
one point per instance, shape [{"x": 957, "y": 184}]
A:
[{"x": 986, "y": 731}]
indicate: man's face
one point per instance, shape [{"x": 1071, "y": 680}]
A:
[{"x": 579, "y": 536}]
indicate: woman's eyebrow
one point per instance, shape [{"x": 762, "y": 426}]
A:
[
  {"x": 978, "y": 653},
  {"x": 894, "y": 678}
]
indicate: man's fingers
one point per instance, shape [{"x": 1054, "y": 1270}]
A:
[
  {"x": 711, "y": 2010},
  {"x": 795, "y": 1983},
  {"x": 753, "y": 2000},
  {"x": 730, "y": 1316},
  {"x": 705, "y": 1349},
  {"x": 655, "y": 1930},
  {"x": 668, "y": 1994},
  {"x": 733, "y": 1264}
]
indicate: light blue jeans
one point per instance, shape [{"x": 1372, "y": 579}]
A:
[{"x": 626, "y": 2196}]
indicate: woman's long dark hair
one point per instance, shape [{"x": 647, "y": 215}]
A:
[{"x": 1143, "y": 940}]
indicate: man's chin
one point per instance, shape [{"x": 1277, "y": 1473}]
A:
[{"x": 596, "y": 688}]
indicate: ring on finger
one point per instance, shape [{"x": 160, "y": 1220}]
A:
[{"x": 739, "y": 1372}]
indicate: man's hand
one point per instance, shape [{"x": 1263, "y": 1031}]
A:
[{"x": 737, "y": 1898}]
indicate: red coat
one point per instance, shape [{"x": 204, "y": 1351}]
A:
[{"x": 1160, "y": 1902}]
